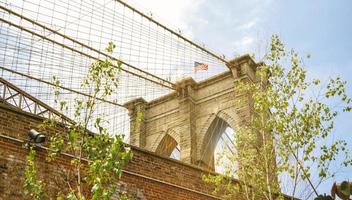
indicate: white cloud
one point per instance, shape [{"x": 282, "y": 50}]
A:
[
  {"x": 226, "y": 26},
  {"x": 244, "y": 45},
  {"x": 246, "y": 41},
  {"x": 248, "y": 25},
  {"x": 174, "y": 14}
]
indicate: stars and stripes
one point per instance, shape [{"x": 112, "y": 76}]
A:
[{"x": 200, "y": 66}]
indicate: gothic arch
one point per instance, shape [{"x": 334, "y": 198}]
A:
[
  {"x": 209, "y": 135},
  {"x": 166, "y": 146},
  {"x": 166, "y": 142}
]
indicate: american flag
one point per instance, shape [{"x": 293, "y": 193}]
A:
[{"x": 200, "y": 66}]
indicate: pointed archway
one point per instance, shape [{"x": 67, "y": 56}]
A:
[
  {"x": 168, "y": 147},
  {"x": 218, "y": 135},
  {"x": 224, "y": 151}
]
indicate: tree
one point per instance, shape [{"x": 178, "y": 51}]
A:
[
  {"x": 97, "y": 158},
  {"x": 290, "y": 130},
  {"x": 342, "y": 190}
]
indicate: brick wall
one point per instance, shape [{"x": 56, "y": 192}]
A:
[{"x": 146, "y": 176}]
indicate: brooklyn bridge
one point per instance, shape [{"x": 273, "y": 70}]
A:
[{"x": 185, "y": 90}]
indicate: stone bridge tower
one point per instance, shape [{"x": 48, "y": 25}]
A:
[{"x": 190, "y": 116}]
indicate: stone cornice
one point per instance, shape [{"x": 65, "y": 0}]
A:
[
  {"x": 162, "y": 99},
  {"x": 240, "y": 60},
  {"x": 183, "y": 83},
  {"x": 189, "y": 81},
  {"x": 213, "y": 79}
]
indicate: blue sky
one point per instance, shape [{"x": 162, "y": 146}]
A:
[{"x": 322, "y": 29}]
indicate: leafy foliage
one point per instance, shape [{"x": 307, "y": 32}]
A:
[
  {"x": 32, "y": 186},
  {"x": 289, "y": 130},
  {"x": 97, "y": 158}
]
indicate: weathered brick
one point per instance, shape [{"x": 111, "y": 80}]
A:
[{"x": 146, "y": 176}]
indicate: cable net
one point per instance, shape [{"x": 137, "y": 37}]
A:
[{"x": 41, "y": 39}]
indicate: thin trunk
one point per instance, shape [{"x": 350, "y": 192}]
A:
[
  {"x": 266, "y": 162},
  {"x": 304, "y": 173},
  {"x": 295, "y": 179},
  {"x": 79, "y": 171}
]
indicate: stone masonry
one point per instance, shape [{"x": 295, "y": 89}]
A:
[{"x": 185, "y": 116}]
